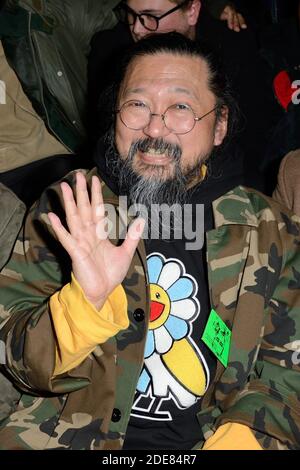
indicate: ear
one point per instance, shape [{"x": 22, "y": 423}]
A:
[
  {"x": 193, "y": 11},
  {"x": 221, "y": 127}
]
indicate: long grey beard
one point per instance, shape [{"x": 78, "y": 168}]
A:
[{"x": 155, "y": 190}]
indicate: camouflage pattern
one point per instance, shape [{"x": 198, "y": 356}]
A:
[
  {"x": 12, "y": 212},
  {"x": 254, "y": 281}
]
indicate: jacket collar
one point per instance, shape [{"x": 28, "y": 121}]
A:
[{"x": 240, "y": 206}]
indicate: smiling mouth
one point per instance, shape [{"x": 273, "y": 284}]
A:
[
  {"x": 156, "y": 309},
  {"x": 155, "y": 158}
]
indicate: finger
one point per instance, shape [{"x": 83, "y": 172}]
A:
[
  {"x": 83, "y": 200},
  {"x": 72, "y": 216},
  {"x": 133, "y": 236},
  {"x": 225, "y": 13},
  {"x": 236, "y": 24},
  {"x": 103, "y": 228},
  {"x": 98, "y": 208},
  {"x": 64, "y": 237},
  {"x": 98, "y": 211},
  {"x": 242, "y": 21},
  {"x": 230, "y": 21}
]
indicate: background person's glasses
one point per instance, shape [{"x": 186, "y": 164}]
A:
[
  {"x": 178, "y": 118},
  {"x": 125, "y": 14}
]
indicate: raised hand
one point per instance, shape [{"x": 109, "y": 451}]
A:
[
  {"x": 97, "y": 264},
  {"x": 235, "y": 21}
]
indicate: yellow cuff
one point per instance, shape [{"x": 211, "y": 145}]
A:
[
  {"x": 232, "y": 436},
  {"x": 79, "y": 327}
]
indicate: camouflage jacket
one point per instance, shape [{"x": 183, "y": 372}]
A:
[{"x": 254, "y": 282}]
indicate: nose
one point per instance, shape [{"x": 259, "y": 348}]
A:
[
  {"x": 156, "y": 127},
  {"x": 138, "y": 29}
]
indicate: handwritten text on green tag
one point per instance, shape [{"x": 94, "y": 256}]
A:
[{"x": 217, "y": 336}]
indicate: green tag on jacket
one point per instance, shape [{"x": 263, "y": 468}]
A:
[{"x": 217, "y": 337}]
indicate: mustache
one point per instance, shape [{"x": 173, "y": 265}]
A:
[{"x": 160, "y": 145}]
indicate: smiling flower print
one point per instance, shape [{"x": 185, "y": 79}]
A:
[{"x": 174, "y": 367}]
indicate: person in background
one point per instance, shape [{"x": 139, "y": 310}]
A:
[
  {"x": 287, "y": 190},
  {"x": 43, "y": 58},
  {"x": 280, "y": 50},
  {"x": 166, "y": 339}
]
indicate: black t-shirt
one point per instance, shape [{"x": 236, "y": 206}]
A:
[{"x": 178, "y": 367}]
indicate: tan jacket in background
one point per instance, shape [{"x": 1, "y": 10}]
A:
[
  {"x": 24, "y": 137},
  {"x": 12, "y": 212},
  {"x": 287, "y": 190}
]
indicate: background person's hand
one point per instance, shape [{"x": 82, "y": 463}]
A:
[
  {"x": 97, "y": 264},
  {"x": 235, "y": 21}
]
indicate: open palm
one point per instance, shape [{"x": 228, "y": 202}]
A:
[{"x": 97, "y": 264}]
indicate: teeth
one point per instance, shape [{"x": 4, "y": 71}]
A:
[{"x": 154, "y": 152}]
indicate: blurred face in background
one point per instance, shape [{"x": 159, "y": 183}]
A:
[{"x": 183, "y": 20}]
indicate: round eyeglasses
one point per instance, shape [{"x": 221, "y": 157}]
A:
[
  {"x": 127, "y": 15},
  {"x": 178, "y": 118}
]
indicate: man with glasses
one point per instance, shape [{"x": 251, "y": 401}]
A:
[
  {"x": 43, "y": 82},
  {"x": 139, "y": 18},
  {"x": 156, "y": 343}
]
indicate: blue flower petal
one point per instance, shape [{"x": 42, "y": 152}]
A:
[
  {"x": 149, "y": 348},
  {"x": 181, "y": 289},
  {"x": 155, "y": 265},
  {"x": 177, "y": 327},
  {"x": 143, "y": 382}
]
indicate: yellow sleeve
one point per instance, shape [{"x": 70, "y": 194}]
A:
[
  {"x": 80, "y": 327},
  {"x": 232, "y": 436}
]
